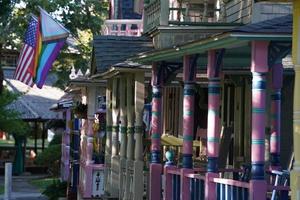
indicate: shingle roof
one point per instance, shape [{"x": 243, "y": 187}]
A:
[
  {"x": 282, "y": 24},
  {"x": 110, "y": 50},
  {"x": 34, "y": 103}
]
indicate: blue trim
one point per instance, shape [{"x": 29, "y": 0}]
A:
[
  {"x": 259, "y": 85},
  {"x": 276, "y": 96},
  {"x": 258, "y": 170},
  {"x": 187, "y": 161},
  {"x": 214, "y": 89},
  {"x": 155, "y": 157},
  {"x": 275, "y": 159},
  {"x": 212, "y": 164}
]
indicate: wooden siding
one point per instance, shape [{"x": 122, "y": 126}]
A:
[{"x": 239, "y": 11}]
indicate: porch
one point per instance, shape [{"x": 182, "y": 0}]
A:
[{"x": 251, "y": 47}]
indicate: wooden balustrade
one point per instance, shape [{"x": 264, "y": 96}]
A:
[
  {"x": 228, "y": 188},
  {"x": 123, "y": 27},
  {"x": 165, "y": 12},
  {"x": 197, "y": 186}
]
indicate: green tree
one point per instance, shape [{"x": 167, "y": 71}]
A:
[{"x": 83, "y": 18}]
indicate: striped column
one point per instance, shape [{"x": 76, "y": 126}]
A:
[
  {"x": 259, "y": 68},
  {"x": 213, "y": 118},
  {"x": 277, "y": 75},
  {"x": 258, "y": 124},
  {"x": 156, "y": 132},
  {"x": 108, "y": 143},
  {"x": 189, "y": 78},
  {"x": 213, "y": 124},
  {"x": 76, "y": 141},
  {"x": 156, "y": 120}
]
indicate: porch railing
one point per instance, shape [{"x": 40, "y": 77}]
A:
[
  {"x": 197, "y": 186},
  {"x": 123, "y": 27},
  {"x": 165, "y": 12},
  {"x": 231, "y": 189}
]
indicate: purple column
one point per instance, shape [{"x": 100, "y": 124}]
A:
[
  {"x": 189, "y": 78},
  {"x": 277, "y": 75},
  {"x": 213, "y": 124},
  {"x": 259, "y": 68},
  {"x": 156, "y": 132}
]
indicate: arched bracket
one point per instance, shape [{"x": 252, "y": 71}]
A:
[{"x": 277, "y": 51}]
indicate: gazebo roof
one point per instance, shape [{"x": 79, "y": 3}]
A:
[{"x": 34, "y": 103}]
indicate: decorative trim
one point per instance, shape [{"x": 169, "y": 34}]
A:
[
  {"x": 212, "y": 164},
  {"x": 155, "y": 136},
  {"x": 155, "y": 157},
  {"x": 187, "y": 161},
  {"x": 258, "y": 170},
  {"x": 139, "y": 129},
  {"x": 123, "y": 129},
  {"x": 188, "y": 137}
]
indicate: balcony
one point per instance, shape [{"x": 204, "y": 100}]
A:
[
  {"x": 188, "y": 12},
  {"x": 123, "y": 27}
]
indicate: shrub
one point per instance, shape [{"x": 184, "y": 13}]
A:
[
  {"x": 55, "y": 190},
  {"x": 50, "y": 158}
]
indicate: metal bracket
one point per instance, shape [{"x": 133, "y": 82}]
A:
[{"x": 277, "y": 51}]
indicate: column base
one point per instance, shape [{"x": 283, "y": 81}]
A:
[
  {"x": 138, "y": 180},
  {"x": 258, "y": 189},
  {"x": 114, "y": 179},
  {"x": 210, "y": 187},
  {"x": 295, "y": 183},
  {"x": 122, "y": 177},
  {"x": 155, "y": 181}
]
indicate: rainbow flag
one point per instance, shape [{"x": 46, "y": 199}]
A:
[{"x": 50, "y": 39}]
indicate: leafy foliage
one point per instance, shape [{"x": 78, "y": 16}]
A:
[
  {"x": 56, "y": 189},
  {"x": 50, "y": 158},
  {"x": 83, "y": 18},
  {"x": 10, "y": 121}
]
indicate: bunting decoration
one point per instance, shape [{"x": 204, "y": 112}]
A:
[{"x": 43, "y": 41}]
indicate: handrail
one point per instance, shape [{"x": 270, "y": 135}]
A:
[
  {"x": 230, "y": 182},
  {"x": 278, "y": 188},
  {"x": 124, "y": 27},
  {"x": 195, "y": 176}
]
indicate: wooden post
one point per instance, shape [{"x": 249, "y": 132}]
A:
[
  {"x": 115, "y": 140},
  {"x": 123, "y": 131},
  {"x": 138, "y": 180},
  {"x": 189, "y": 79},
  {"x": 130, "y": 135},
  {"x": 259, "y": 68},
  {"x": 108, "y": 143},
  {"x": 164, "y": 13},
  {"x": 277, "y": 76},
  {"x": 156, "y": 124},
  {"x": 213, "y": 124},
  {"x": 35, "y": 137},
  {"x": 43, "y": 136},
  {"x": 295, "y": 174},
  {"x": 8, "y": 181}
]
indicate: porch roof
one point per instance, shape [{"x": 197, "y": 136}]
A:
[
  {"x": 123, "y": 67},
  {"x": 277, "y": 29}
]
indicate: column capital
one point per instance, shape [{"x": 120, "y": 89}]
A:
[{"x": 259, "y": 56}]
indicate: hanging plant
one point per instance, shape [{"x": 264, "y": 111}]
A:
[{"x": 80, "y": 110}]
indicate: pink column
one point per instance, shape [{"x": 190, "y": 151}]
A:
[
  {"x": 156, "y": 125},
  {"x": 277, "y": 75},
  {"x": 213, "y": 124},
  {"x": 259, "y": 68},
  {"x": 189, "y": 78}
]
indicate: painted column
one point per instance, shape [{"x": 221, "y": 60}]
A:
[
  {"x": 122, "y": 131},
  {"x": 138, "y": 177},
  {"x": 259, "y": 68},
  {"x": 108, "y": 143},
  {"x": 89, "y": 132},
  {"x": 115, "y": 140},
  {"x": 277, "y": 76},
  {"x": 213, "y": 124},
  {"x": 295, "y": 174},
  {"x": 130, "y": 134},
  {"x": 66, "y": 146},
  {"x": 189, "y": 79},
  {"x": 156, "y": 132},
  {"x": 76, "y": 141}
]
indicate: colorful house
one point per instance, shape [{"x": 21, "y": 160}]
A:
[{"x": 221, "y": 72}]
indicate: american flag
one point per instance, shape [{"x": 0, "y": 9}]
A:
[{"x": 26, "y": 58}]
